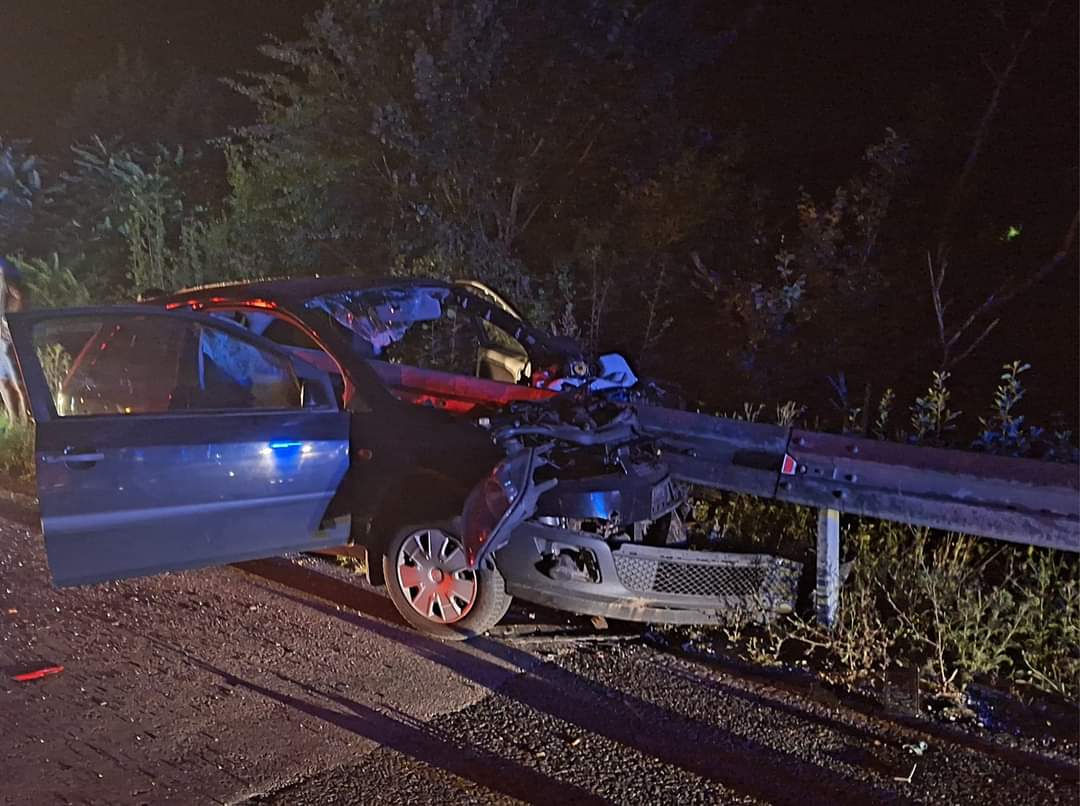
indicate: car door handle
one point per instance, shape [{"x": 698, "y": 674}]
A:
[{"x": 57, "y": 458}]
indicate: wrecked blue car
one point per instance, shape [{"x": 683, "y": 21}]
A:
[{"x": 472, "y": 457}]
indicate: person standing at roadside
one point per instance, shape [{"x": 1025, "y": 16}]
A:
[{"x": 12, "y": 298}]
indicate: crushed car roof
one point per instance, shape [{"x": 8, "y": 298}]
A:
[{"x": 299, "y": 288}]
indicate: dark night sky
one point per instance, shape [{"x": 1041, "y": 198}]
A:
[
  {"x": 49, "y": 45},
  {"x": 822, "y": 80}
]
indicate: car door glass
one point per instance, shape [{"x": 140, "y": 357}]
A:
[
  {"x": 97, "y": 365},
  {"x": 416, "y": 326},
  {"x": 297, "y": 342},
  {"x": 233, "y": 373},
  {"x": 288, "y": 335}
]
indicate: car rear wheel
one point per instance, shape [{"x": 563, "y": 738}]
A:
[{"x": 433, "y": 588}]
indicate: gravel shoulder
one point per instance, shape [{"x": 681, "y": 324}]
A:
[
  {"x": 198, "y": 687},
  {"x": 288, "y": 682}
]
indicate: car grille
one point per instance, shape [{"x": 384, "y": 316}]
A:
[{"x": 744, "y": 582}]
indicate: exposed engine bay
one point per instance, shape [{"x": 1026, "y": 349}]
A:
[{"x": 605, "y": 534}]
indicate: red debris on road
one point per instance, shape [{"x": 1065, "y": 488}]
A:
[{"x": 37, "y": 674}]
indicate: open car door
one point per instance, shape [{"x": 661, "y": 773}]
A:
[{"x": 171, "y": 440}]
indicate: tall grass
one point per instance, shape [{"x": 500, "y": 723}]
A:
[
  {"x": 16, "y": 449},
  {"x": 956, "y": 607}
]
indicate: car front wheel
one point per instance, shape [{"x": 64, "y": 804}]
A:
[{"x": 433, "y": 588}]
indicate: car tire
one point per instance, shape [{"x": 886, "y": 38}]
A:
[{"x": 428, "y": 583}]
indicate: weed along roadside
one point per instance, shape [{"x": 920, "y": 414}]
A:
[
  {"x": 922, "y": 608},
  {"x": 16, "y": 454},
  {"x": 943, "y": 609}
]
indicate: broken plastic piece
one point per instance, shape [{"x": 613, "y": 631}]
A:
[{"x": 37, "y": 674}]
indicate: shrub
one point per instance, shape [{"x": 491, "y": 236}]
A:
[
  {"x": 16, "y": 450},
  {"x": 52, "y": 284},
  {"x": 956, "y": 607}
]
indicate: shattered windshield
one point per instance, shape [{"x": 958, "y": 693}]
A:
[
  {"x": 379, "y": 317},
  {"x": 420, "y": 326}
]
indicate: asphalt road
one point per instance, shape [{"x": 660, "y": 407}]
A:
[{"x": 287, "y": 682}]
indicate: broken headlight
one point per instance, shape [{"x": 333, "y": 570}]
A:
[
  {"x": 496, "y": 505},
  {"x": 488, "y": 505}
]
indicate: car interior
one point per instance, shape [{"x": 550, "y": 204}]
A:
[{"x": 155, "y": 364}]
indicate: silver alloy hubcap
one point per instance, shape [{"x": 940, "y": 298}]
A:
[{"x": 434, "y": 577}]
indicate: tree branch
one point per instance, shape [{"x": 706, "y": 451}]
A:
[
  {"x": 992, "y": 303},
  {"x": 982, "y": 131}
]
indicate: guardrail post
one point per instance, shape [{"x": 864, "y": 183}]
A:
[{"x": 827, "y": 594}]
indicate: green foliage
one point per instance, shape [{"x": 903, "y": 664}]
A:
[
  {"x": 956, "y": 607},
  {"x": 350, "y": 166},
  {"x": 122, "y": 223},
  {"x": 803, "y": 293},
  {"x": 1004, "y": 431},
  {"x": 1050, "y": 648},
  {"x": 838, "y": 245},
  {"x": 51, "y": 284},
  {"x": 880, "y": 428},
  {"x": 553, "y": 151},
  {"x": 20, "y": 189},
  {"x": 55, "y": 364},
  {"x": 427, "y": 138},
  {"x": 962, "y": 620},
  {"x": 931, "y": 418},
  {"x": 119, "y": 193},
  {"x": 16, "y": 450},
  {"x": 728, "y": 522},
  {"x": 208, "y": 252}
]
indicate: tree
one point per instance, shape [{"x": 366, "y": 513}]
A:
[
  {"x": 21, "y": 193},
  {"x": 462, "y": 138}
]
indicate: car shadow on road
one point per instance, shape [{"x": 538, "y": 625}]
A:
[
  {"x": 916, "y": 729},
  {"x": 415, "y": 739},
  {"x": 736, "y": 762}
]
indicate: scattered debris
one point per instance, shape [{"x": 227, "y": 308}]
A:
[
  {"x": 918, "y": 748},
  {"x": 910, "y": 775},
  {"x": 37, "y": 674},
  {"x": 571, "y": 638}
]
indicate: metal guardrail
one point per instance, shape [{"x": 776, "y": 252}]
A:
[{"x": 1018, "y": 500}]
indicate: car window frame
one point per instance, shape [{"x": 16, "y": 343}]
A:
[
  {"x": 22, "y": 325},
  {"x": 282, "y": 314}
]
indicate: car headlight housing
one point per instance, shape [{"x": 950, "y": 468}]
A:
[{"x": 490, "y": 507}]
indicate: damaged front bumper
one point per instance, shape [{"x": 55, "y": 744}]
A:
[{"x": 636, "y": 582}]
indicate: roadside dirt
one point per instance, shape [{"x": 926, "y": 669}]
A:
[
  {"x": 287, "y": 681},
  {"x": 186, "y": 688}
]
